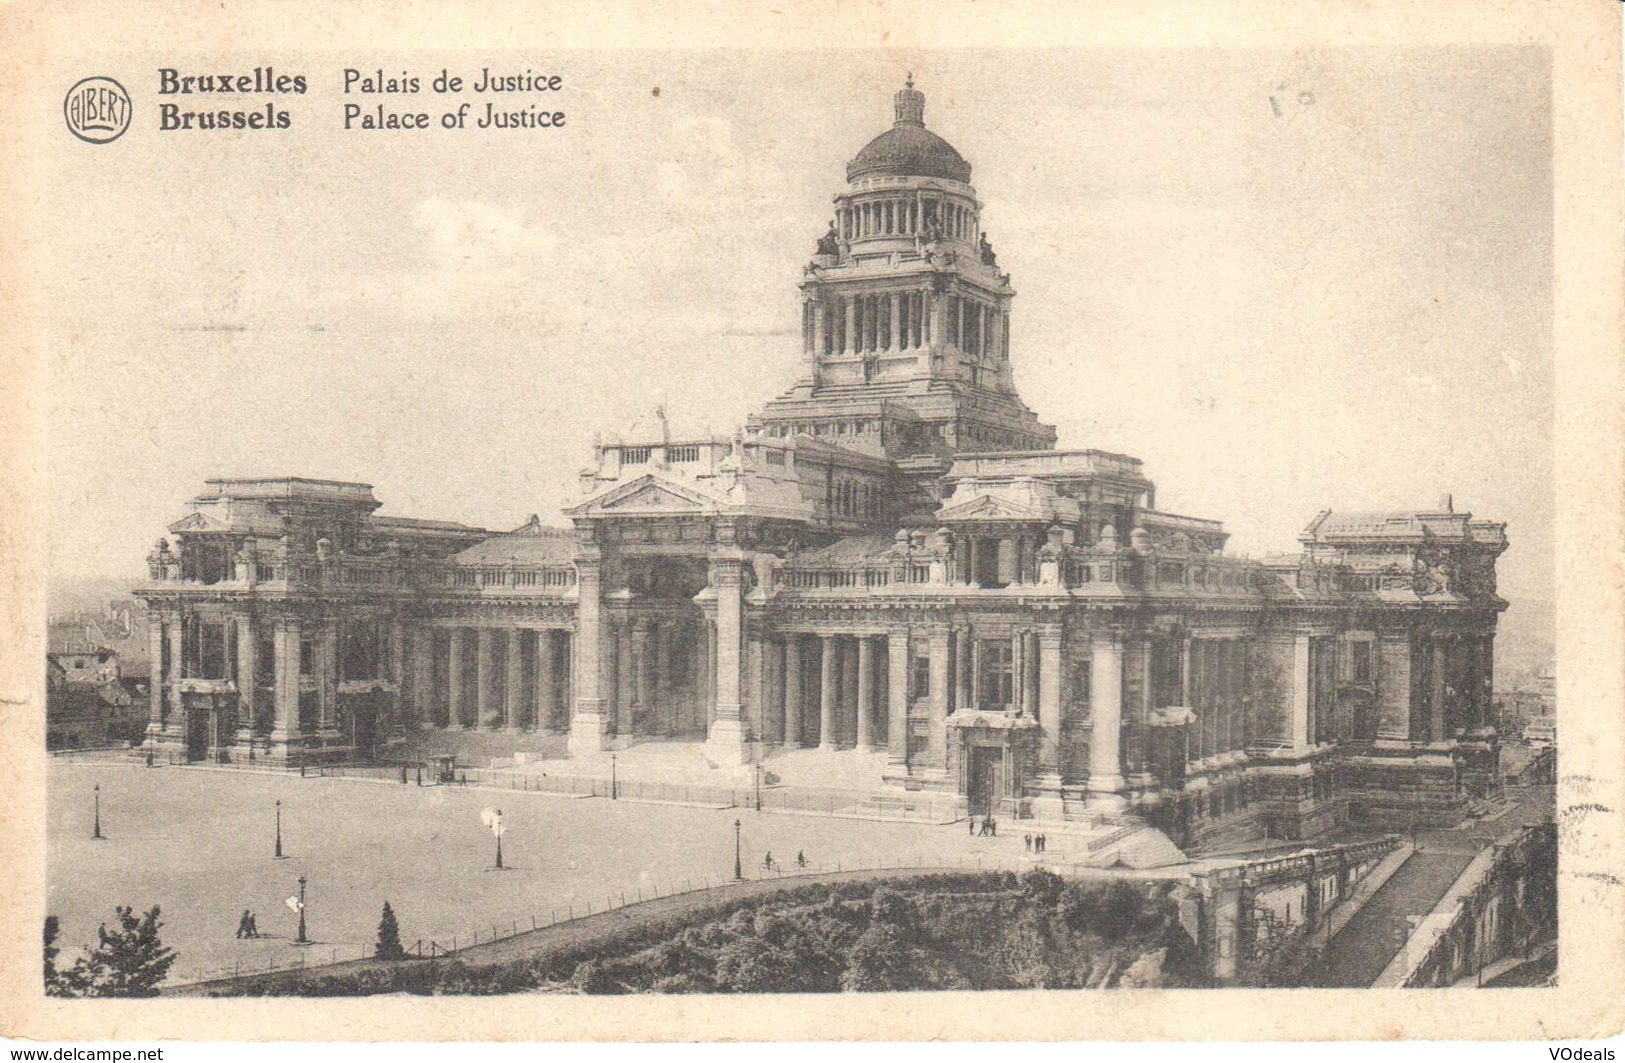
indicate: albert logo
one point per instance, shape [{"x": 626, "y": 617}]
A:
[{"x": 97, "y": 110}]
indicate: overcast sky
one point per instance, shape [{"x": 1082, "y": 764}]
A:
[{"x": 1286, "y": 280}]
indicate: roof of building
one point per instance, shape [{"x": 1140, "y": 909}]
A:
[
  {"x": 908, "y": 149},
  {"x": 849, "y": 551},
  {"x": 529, "y": 544}
]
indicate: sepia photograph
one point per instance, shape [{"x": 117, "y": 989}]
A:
[{"x": 579, "y": 522}]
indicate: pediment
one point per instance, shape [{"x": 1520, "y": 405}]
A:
[
  {"x": 198, "y": 522},
  {"x": 647, "y": 494},
  {"x": 989, "y": 508},
  {"x": 651, "y": 497}
]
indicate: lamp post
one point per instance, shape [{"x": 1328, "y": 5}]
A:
[
  {"x": 739, "y": 868},
  {"x": 758, "y": 787},
  {"x": 96, "y": 834},
  {"x": 614, "y": 783},
  {"x": 278, "y": 855},
  {"x": 301, "y": 939}
]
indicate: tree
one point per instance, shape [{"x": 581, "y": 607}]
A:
[
  {"x": 127, "y": 962},
  {"x": 54, "y": 985},
  {"x": 389, "y": 937}
]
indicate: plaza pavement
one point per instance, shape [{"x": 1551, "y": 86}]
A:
[{"x": 199, "y": 843}]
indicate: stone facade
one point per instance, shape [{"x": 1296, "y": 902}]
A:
[{"x": 891, "y": 557}]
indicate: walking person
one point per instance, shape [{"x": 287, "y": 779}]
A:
[
  {"x": 972, "y": 823},
  {"x": 801, "y": 858},
  {"x": 242, "y": 925},
  {"x": 1027, "y": 842},
  {"x": 253, "y": 925}
]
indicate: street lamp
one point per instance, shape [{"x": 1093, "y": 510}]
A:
[
  {"x": 301, "y": 939},
  {"x": 739, "y": 868},
  {"x": 279, "y": 855},
  {"x": 96, "y": 835},
  {"x": 614, "y": 786},
  {"x": 758, "y": 787}
]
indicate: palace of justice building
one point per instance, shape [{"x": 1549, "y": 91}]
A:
[{"x": 890, "y": 560}]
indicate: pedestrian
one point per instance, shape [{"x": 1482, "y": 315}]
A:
[
  {"x": 972, "y": 822},
  {"x": 242, "y": 925},
  {"x": 1043, "y": 842},
  {"x": 994, "y": 826},
  {"x": 1027, "y": 842},
  {"x": 253, "y": 925},
  {"x": 801, "y": 858}
]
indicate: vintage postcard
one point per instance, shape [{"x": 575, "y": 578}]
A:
[{"x": 943, "y": 521}]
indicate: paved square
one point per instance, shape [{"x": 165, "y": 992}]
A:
[{"x": 200, "y": 842}]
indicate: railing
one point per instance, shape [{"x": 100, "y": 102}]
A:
[
  {"x": 514, "y": 926},
  {"x": 936, "y": 808}
]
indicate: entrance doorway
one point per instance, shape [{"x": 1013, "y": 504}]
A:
[
  {"x": 986, "y": 777},
  {"x": 364, "y": 728},
  {"x": 198, "y": 720}
]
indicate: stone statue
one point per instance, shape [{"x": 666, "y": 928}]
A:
[
  {"x": 988, "y": 257},
  {"x": 158, "y": 561},
  {"x": 829, "y": 243}
]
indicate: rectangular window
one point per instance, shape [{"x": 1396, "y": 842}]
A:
[
  {"x": 921, "y": 684},
  {"x": 1360, "y": 663},
  {"x": 996, "y": 676}
]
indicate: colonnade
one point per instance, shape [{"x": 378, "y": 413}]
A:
[
  {"x": 1215, "y": 674},
  {"x": 659, "y": 679},
  {"x": 902, "y": 320},
  {"x": 491, "y": 677},
  {"x": 997, "y": 559},
  {"x": 832, "y": 692},
  {"x": 906, "y": 216}
]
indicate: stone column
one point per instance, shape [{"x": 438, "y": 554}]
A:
[
  {"x": 1106, "y": 713},
  {"x": 513, "y": 689},
  {"x": 896, "y": 336},
  {"x": 866, "y": 679},
  {"x": 897, "y": 663},
  {"x": 285, "y": 730},
  {"x": 820, "y": 325},
  {"x": 484, "y": 676},
  {"x": 641, "y": 655},
  {"x": 587, "y": 716},
  {"x": 850, "y": 707},
  {"x": 454, "y": 673},
  {"x": 851, "y": 326},
  {"x": 792, "y": 691},
  {"x": 726, "y": 740},
  {"x": 327, "y": 678},
  {"x": 423, "y": 675},
  {"x": 709, "y": 705},
  {"x": 1018, "y": 672},
  {"x": 660, "y": 721},
  {"x": 1049, "y": 701},
  {"x": 1298, "y": 722},
  {"x": 155, "y": 684},
  {"x": 247, "y": 694},
  {"x": 936, "y": 754},
  {"x": 754, "y": 708},
  {"x": 398, "y": 675},
  {"x": 626, "y": 678},
  {"x": 1438, "y": 723},
  {"x": 828, "y": 691},
  {"x": 546, "y": 680},
  {"x": 175, "y": 628}
]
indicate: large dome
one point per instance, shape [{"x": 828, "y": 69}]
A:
[{"x": 908, "y": 149}]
